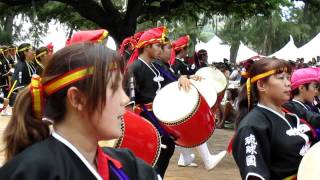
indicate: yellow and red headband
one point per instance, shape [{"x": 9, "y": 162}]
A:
[
  {"x": 41, "y": 54},
  {"x": 25, "y": 48},
  {"x": 39, "y": 91},
  {"x": 258, "y": 77},
  {"x": 178, "y": 45},
  {"x": 151, "y": 36},
  {"x": 181, "y": 42}
]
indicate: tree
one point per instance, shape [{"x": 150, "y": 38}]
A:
[
  {"x": 269, "y": 33},
  {"x": 120, "y": 18}
]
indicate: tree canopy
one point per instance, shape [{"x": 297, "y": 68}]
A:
[{"x": 120, "y": 17}]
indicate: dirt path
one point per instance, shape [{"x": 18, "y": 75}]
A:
[{"x": 226, "y": 170}]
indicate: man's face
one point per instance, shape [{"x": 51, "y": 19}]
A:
[
  {"x": 154, "y": 50},
  {"x": 165, "y": 53}
]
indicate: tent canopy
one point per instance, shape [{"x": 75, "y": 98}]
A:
[
  {"x": 311, "y": 49},
  {"x": 244, "y": 53},
  {"x": 215, "y": 49},
  {"x": 288, "y": 52}
]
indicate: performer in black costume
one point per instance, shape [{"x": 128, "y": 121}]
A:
[
  {"x": 304, "y": 88},
  {"x": 146, "y": 78},
  {"x": 39, "y": 59},
  {"x": 180, "y": 65},
  {"x": 82, "y": 96},
  {"x": 4, "y": 71},
  {"x": 270, "y": 141},
  {"x": 186, "y": 158}
]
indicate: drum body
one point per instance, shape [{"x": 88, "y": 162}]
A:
[
  {"x": 140, "y": 136},
  {"x": 217, "y": 79},
  {"x": 184, "y": 115}
]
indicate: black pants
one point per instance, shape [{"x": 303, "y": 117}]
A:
[{"x": 165, "y": 154}]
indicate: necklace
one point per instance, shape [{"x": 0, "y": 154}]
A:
[
  {"x": 157, "y": 75},
  {"x": 31, "y": 69}
]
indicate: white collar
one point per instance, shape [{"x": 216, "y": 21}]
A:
[
  {"x": 294, "y": 100},
  {"x": 280, "y": 115},
  {"x": 75, "y": 150}
]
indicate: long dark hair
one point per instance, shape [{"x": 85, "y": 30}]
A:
[
  {"x": 20, "y": 53},
  {"x": 258, "y": 67},
  {"x": 24, "y": 129}
]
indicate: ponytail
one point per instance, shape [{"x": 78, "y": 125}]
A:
[
  {"x": 243, "y": 106},
  {"x": 23, "y": 129}
]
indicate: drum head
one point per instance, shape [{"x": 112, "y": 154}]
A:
[
  {"x": 309, "y": 166},
  {"x": 206, "y": 90},
  {"x": 172, "y": 104},
  {"x": 215, "y": 76}
]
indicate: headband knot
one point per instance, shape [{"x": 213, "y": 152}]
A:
[{"x": 37, "y": 97}]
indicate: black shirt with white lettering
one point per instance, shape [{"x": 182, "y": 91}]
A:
[{"x": 270, "y": 146}]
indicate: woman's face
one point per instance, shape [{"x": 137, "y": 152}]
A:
[
  {"x": 29, "y": 54},
  {"x": 278, "y": 88},
  {"x": 309, "y": 93},
  {"x": 44, "y": 58},
  {"x": 108, "y": 125}
]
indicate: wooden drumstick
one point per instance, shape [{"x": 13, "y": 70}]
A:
[{"x": 12, "y": 88}]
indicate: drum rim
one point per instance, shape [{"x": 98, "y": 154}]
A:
[
  {"x": 226, "y": 80},
  {"x": 120, "y": 140},
  {"x": 176, "y": 122},
  {"x": 185, "y": 118},
  {"x": 215, "y": 91},
  {"x": 156, "y": 158}
]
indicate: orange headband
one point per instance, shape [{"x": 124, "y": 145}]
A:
[{"x": 255, "y": 79}]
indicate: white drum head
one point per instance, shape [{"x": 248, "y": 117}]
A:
[
  {"x": 206, "y": 90},
  {"x": 172, "y": 104},
  {"x": 215, "y": 76},
  {"x": 309, "y": 166}
]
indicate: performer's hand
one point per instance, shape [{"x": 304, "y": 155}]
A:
[
  {"x": 184, "y": 83},
  {"x": 5, "y": 102},
  {"x": 196, "y": 77}
]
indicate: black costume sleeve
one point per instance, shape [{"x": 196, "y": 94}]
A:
[
  {"x": 251, "y": 151},
  {"x": 30, "y": 168},
  {"x": 177, "y": 66}
]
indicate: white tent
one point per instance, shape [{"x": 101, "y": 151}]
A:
[
  {"x": 288, "y": 52},
  {"x": 311, "y": 49},
  {"x": 216, "y": 50},
  {"x": 111, "y": 43},
  {"x": 244, "y": 53}
]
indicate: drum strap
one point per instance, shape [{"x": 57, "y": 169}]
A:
[{"x": 155, "y": 121}]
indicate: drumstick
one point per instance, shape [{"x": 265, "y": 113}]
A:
[{"x": 12, "y": 88}]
